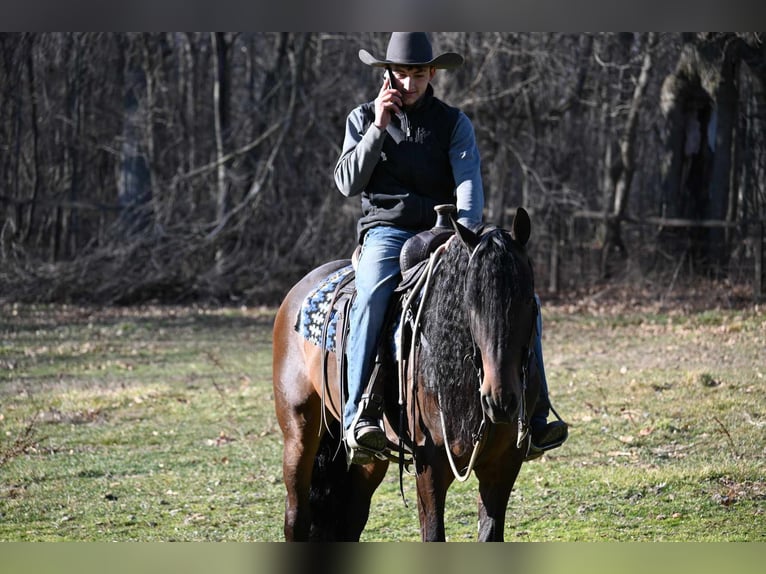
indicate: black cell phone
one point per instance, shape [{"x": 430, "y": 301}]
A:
[
  {"x": 396, "y": 133},
  {"x": 392, "y": 79}
]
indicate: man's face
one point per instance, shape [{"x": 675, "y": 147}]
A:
[{"x": 412, "y": 81}]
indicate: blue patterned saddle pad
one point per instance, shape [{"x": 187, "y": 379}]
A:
[{"x": 317, "y": 305}]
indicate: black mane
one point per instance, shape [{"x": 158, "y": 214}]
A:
[{"x": 485, "y": 286}]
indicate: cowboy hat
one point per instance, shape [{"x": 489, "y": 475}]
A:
[{"x": 412, "y": 49}]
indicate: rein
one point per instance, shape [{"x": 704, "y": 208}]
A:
[
  {"x": 477, "y": 444},
  {"x": 421, "y": 288}
]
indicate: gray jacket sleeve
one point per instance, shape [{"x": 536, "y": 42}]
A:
[
  {"x": 466, "y": 169},
  {"x": 360, "y": 154}
]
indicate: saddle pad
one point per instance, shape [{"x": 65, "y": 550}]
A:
[{"x": 316, "y": 305}]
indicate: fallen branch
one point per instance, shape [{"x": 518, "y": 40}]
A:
[{"x": 726, "y": 432}]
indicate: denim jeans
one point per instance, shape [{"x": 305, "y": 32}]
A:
[
  {"x": 543, "y": 403},
  {"x": 377, "y": 276}
]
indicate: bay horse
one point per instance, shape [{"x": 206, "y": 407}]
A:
[{"x": 465, "y": 394}]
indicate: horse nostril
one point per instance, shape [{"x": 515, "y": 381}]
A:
[
  {"x": 499, "y": 411},
  {"x": 486, "y": 404}
]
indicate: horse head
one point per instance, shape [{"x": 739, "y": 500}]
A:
[{"x": 501, "y": 311}]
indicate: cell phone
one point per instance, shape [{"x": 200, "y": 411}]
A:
[{"x": 391, "y": 78}]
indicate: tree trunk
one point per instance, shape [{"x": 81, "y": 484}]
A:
[
  {"x": 221, "y": 115},
  {"x": 134, "y": 190},
  {"x": 700, "y": 101},
  {"x": 613, "y": 242},
  {"x": 687, "y": 108},
  {"x": 628, "y": 143},
  {"x": 36, "y": 164},
  {"x": 71, "y": 221},
  {"x": 726, "y": 97},
  {"x": 149, "y": 50}
]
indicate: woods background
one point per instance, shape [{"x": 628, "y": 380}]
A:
[{"x": 176, "y": 167}]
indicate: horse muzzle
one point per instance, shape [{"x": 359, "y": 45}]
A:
[{"x": 500, "y": 408}]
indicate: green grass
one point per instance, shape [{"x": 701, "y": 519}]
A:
[{"x": 157, "y": 424}]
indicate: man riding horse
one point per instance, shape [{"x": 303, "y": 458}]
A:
[{"x": 404, "y": 153}]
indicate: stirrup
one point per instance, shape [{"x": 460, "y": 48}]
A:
[
  {"x": 535, "y": 451},
  {"x": 362, "y": 455},
  {"x": 368, "y": 416},
  {"x": 371, "y": 430}
]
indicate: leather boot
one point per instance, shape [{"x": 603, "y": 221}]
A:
[{"x": 366, "y": 430}]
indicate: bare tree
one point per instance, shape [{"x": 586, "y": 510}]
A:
[{"x": 623, "y": 169}]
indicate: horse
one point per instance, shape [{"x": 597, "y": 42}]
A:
[{"x": 467, "y": 378}]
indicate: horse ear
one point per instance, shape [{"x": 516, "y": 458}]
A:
[
  {"x": 467, "y": 237},
  {"x": 522, "y": 226}
]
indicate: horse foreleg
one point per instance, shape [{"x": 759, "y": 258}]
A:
[
  {"x": 494, "y": 493},
  {"x": 493, "y": 502},
  {"x": 432, "y": 482}
]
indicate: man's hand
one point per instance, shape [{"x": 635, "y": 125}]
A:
[{"x": 388, "y": 101}]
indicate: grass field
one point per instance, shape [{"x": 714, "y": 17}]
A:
[{"x": 157, "y": 424}]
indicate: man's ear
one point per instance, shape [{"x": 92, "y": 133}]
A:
[{"x": 432, "y": 73}]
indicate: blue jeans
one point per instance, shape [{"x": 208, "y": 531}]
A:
[
  {"x": 377, "y": 275},
  {"x": 543, "y": 403}
]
